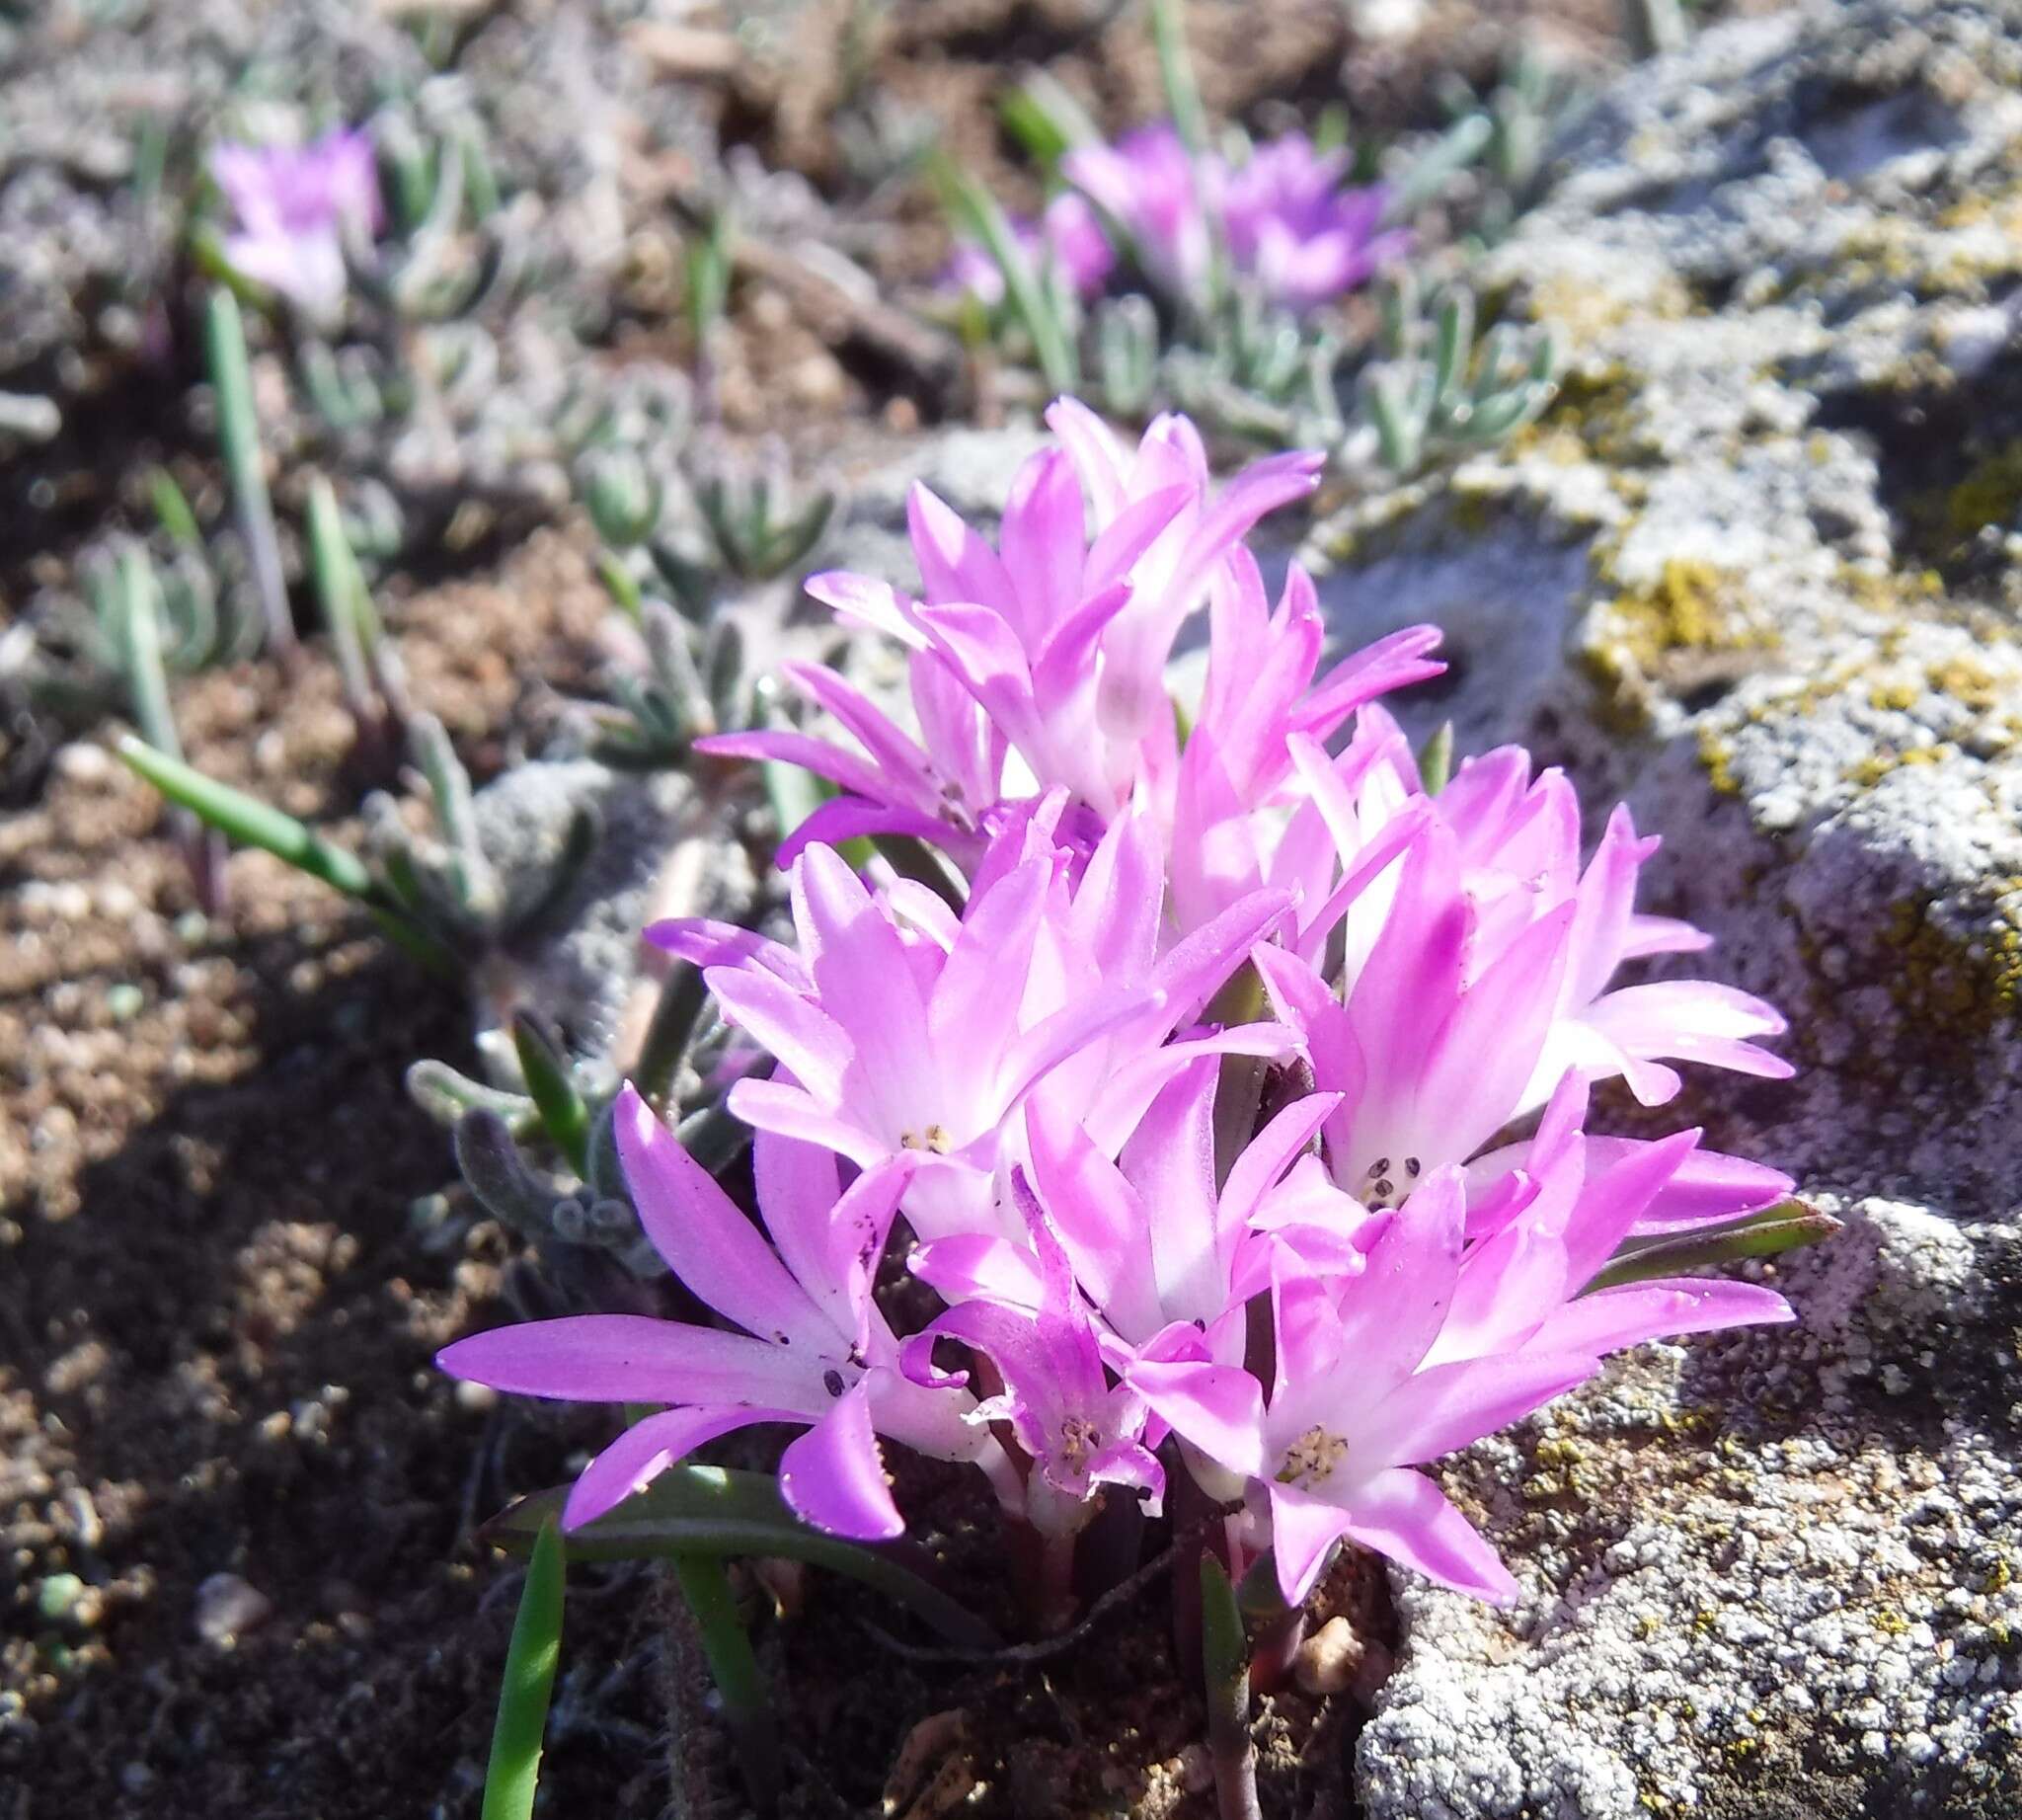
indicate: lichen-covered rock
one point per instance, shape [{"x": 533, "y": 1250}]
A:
[
  {"x": 1754, "y": 571},
  {"x": 664, "y": 849}
]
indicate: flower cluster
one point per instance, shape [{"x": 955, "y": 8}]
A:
[
  {"x": 1239, "y": 1116},
  {"x": 1283, "y": 215},
  {"x": 291, "y": 206}
]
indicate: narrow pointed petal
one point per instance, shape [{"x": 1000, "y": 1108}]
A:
[
  {"x": 780, "y": 1106},
  {"x": 783, "y": 1022},
  {"x": 1304, "y": 1529},
  {"x": 624, "y": 1359},
  {"x": 646, "y": 1449},
  {"x": 954, "y": 563},
  {"x": 704, "y": 1237},
  {"x": 1403, "y": 1515},
  {"x": 1220, "y": 1408},
  {"x": 833, "y": 1475},
  {"x": 1617, "y": 1317},
  {"x": 1437, "y": 1410}
]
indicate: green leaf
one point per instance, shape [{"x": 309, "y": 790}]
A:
[
  {"x": 251, "y": 823},
  {"x": 709, "y": 1510},
  {"x": 1226, "y": 1666},
  {"x": 514, "y": 1772},
  {"x": 172, "y": 509},
  {"x": 564, "y": 1114},
  {"x": 620, "y": 583},
  {"x": 1176, "y": 74},
  {"x": 976, "y": 214},
  {"x": 1782, "y": 1228},
  {"x": 238, "y": 429},
  {"x": 1043, "y": 117},
  {"x": 1435, "y": 760},
  {"x": 341, "y": 594},
  {"x": 739, "y": 1680}
]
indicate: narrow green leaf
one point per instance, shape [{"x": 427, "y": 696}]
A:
[
  {"x": 251, "y": 823},
  {"x": 682, "y": 998},
  {"x": 338, "y": 587},
  {"x": 1225, "y": 1665},
  {"x": 1176, "y": 74},
  {"x": 172, "y": 509},
  {"x": 564, "y": 1115},
  {"x": 794, "y": 794},
  {"x": 739, "y": 1680},
  {"x": 238, "y": 429},
  {"x": 1046, "y": 119},
  {"x": 514, "y": 1772},
  {"x": 1782, "y": 1228},
  {"x": 1435, "y": 760},
  {"x": 977, "y": 214},
  {"x": 709, "y": 1510},
  {"x": 1456, "y": 149},
  {"x": 620, "y": 583}
]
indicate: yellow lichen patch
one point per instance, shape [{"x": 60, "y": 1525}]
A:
[
  {"x": 1692, "y": 605},
  {"x": 1967, "y": 681},
  {"x": 1897, "y": 694},
  {"x": 1991, "y": 494},
  {"x": 1717, "y": 755},
  {"x": 1587, "y": 310},
  {"x": 1955, "y": 987},
  {"x": 1595, "y": 406}
]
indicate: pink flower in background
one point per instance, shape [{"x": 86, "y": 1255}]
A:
[
  {"x": 1149, "y": 185},
  {"x": 1293, "y": 228},
  {"x": 814, "y": 1350},
  {"x": 1283, "y": 215},
  {"x": 1067, "y": 234},
  {"x": 291, "y": 204}
]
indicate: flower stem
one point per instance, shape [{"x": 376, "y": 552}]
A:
[{"x": 1225, "y": 1664}]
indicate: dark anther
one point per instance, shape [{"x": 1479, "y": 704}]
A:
[{"x": 832, "y": 1381}]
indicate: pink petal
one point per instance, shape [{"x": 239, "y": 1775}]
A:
[
  {"x": 1638, "y": 1311},
  {"x": 646, "y": 1449},
  {"x": 780, "y": 1106},
  {"x": 833, "y": 1478},
  {"x": 1043, "y": 543},
  {"x": 782, "y": 1021},
  {"x": 1304, "y": 1529},
  {"x": 1220, "y": 1408},
  {"x": 704, "y": 1237},
  {"x": 1447, "y": 1407},
  {"x": 625, "y": 1359},
  {"x": 780, "y": 746},
  {"x": 1403, "y": 1515},
  {"x": 954, "y": 563}
]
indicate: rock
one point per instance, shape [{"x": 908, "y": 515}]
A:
[
  {"x": 664, "y": 851},
  {"x": 1754, "y": 572},
  {"x": 228, "y": 1607}
]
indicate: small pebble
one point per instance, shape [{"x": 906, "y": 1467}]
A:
[
  {"x": 83, "y": 763},
  {"x": 57, "y": 1598},
  {"x": 124, "y": 1002},
  {"x": 228, "y": 1607},
  {"x": 1329, "y": 1660}
]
